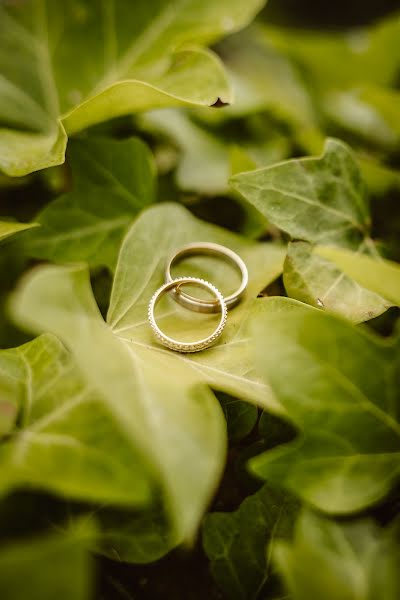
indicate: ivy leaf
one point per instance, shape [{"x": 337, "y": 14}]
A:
[
  {"x": 66, "y": 441},
  {"x": 240, "y": 416},
  {"x": 310, "y": 278},
  {"x": 235, "y": 542},
  {"x": 132, "y": 536},
  {"x": 353, "y": 561},
  {"x": 25, "y": 566},
  {"x": 381, "y": 276},
  {"x": 112, "y": 181},
  {"x": 338, "y": 386},
  {"x": 8, "y": 228},
  {"x": 107, "y": 65},
  {"x": 318, "y": 200},
  {"x": 159, "y": 397},
  {"x": 312, "y": 199}
]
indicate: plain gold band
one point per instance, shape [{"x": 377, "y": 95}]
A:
[{"x": 208, "y": 249}]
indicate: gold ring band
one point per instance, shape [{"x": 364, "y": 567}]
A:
[
  {"x": 187, "y": 346},
  {"x": 209, "y": 249}
]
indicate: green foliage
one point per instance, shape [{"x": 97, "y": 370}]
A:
[
  {"x": 52, "y": 88},
  {"x": 163, "y": 124},
  {"x": 54, "y": 566},
  {"x": 356, "y": 561},
  {"x": 235, "y": 542},
  {"x": 59, "y": 410},
  {"x": 123, "y": 363},
  {"x": 9, "y": 228},
  {"x": 338, "y": 385},
  {"x": 313, "y": 200},
  {"x": 112, "y": 182},
  {"x": 381, "y": 276}
]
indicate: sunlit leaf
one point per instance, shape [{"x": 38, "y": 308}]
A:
[
  {"x": 158, "y": 395},
  {"x": 66, "y": 440},
  {"x": 67, "y": 66},
  {"x": 312, "y": 279},
  {"x": 338, "y": 386},
  {"x": 381, "y": 276},
  {"x": 8, "y": 228}
]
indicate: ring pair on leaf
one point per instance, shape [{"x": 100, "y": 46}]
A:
[{"x": 218, "y": 305}]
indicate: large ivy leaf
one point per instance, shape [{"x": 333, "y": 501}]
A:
[
  {"x": 356, "y": 561},
  {"x": 381, "y": 276},
  {"x": 53, "y": 566},
  {"x": 235, "y": 542},
  {"x": 112, "y": 181},
  {"x": 159, "y": 396},
  {"x": 8, "y": 228},
  {"x": 338, "y": 385},
  {"x": 67, "y": 66},
  {"x": 318, "y": 200},
  {"x": 66, "y": 440}
]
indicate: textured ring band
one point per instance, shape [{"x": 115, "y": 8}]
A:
[
  {"x": 187, "y": 346},
  {"x": 209, "y": 249}
]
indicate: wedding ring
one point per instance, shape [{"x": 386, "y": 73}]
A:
[
  {"x": 176, "y": 345},
  {"x": 209, "y": 249}
]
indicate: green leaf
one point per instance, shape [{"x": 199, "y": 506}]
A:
[
  {"x": 312, "y": 199},
  {"x": 201, "y": 152},
  {"x": 241, "y": 417},
  {"x": 235, "y": 542},
  {"x": 338, "y": 386},
  {"x": 353, "y": 561},
  {"x": 158, "y": 395},
  {"x": 67, "y": 441},
  {"x": 134, "y": 537},
  {"x": 312, "y": 279},
  {"x": 9, "y": 390},
  {"x": 45, "y": 568},
  {"x": 318, "y": 200},
  {"x": 108, "y": 64},
  {"x": 8, "y": 228},
  {"x": 112, "y": 181},
  {"x": 381, "y": 276}
]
